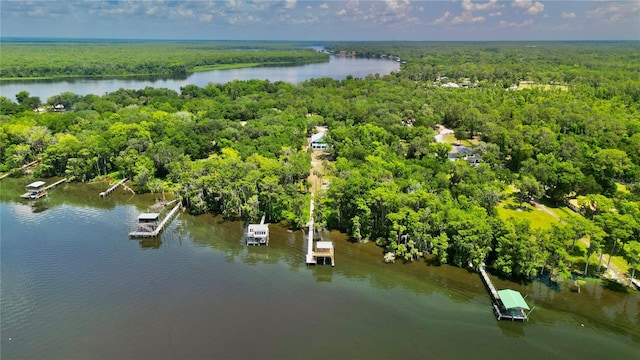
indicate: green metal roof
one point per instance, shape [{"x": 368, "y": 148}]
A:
[{"x": 512, "y": 299}]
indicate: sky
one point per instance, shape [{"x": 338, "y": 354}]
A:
[{"x": 328, "y": 20}]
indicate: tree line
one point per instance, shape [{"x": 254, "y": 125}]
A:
[
  {"x": 237, "y": 149},
  {"x": 97, "y": 59}
]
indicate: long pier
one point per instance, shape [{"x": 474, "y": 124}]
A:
[
  {"x": 487, "y": 282},
  {"x": 158, "y": 229},
  {"x": 501, "y": 312},
  {"x": 311, "y": 260},
  {"x": 111, "y": 189},
  {"x": 54, "y": 184}
]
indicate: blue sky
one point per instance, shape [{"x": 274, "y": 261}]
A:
[{"x": 324, "y": 19}]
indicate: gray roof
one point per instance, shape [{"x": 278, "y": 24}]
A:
[
  {"x": 36, "y": 184},
  {"x": 148, "y": 216}
]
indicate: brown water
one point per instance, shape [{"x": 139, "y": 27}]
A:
[{"x": 73, "y": 285}]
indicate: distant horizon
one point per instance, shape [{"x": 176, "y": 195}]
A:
[
  {"x": 85, "y": 39},
  {"x": 330, "y": 20}
]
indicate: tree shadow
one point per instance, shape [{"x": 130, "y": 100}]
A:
[
  {"x": 615, "y": 286},
  {"x": 517, "y": 207}
]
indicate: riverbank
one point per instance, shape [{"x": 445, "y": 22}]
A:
[
  {"x": 68, "y": 59},
  {"x": 74, "y": 285}
]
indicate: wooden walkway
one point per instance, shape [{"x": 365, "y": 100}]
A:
[
  {"x": 498, "y": 307},
  {"x": 22, "y": 168},
  {"x": 157, "y": 230},
  {"x": 111, "y": 189},
  {"x": 487, "y": 282}
]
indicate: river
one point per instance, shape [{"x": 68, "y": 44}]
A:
[
  {"x": 337, "y": 68},
  {"x": 74, "y": 286}
]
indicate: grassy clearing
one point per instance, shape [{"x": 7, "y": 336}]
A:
[
  {"x": 539, "y": 219},
  {"x": 532, "y": 85},
  {"x": 451, "y": 139}
]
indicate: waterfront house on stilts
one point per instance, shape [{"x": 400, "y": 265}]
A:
[
  {"x": 258, "y": 234},
  {"x": 35, "y": 190}
]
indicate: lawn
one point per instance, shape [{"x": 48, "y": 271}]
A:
[
  {"x": 531, "y": 85},
  {"x": 539, "y": 218}
]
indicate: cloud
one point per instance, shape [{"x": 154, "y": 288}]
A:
[
  {"x": 497, "y": 13},
  {"x": 568, "y": 15},
  {"x": 536, "y": 8},
  {"x": 619, "y": 12},
  {"x": 324, "y": 6},
  {"x": 290, "y": 4},
  {"x": 465, "y": 18},
  {"x": 533, "y": 8},
  {"x": 342, "y": 12},
  {"x": 525, "y": 23},
  {"x": 442, "y": 18},
  {"x": 467, "y": 5}
]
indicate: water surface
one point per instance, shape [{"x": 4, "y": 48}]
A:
[
  {"x": 337, "y": 68},
  {"x": 74, "y": 286}
]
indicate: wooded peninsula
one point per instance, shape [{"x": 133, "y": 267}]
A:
[{"x": 539, "y": 128}]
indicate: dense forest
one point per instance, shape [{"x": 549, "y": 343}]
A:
[
  {"x": 550, "y": 121},
  {"x": 97, "y": 59}
]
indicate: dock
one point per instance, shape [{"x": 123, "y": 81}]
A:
[
  {"x": 507, "y": 304},
  {"x": 111, "y": 189},
  {"x": 323, "y": 250},
  {"x": 37, "y": 189},
  {"x": 55, "y": 184},
  {"x": 149, "y": 227}
]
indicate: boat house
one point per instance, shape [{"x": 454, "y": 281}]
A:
[
  {"x": 323, "y": 252},
  {"x": 258, "y": 234},
  {"x": 513, "y": 305},
  {"x": 35, "y": 190},
  {"x": 148, "y": 222}
]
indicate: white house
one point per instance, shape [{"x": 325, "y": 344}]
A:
[{"x": 318, "y": 143}]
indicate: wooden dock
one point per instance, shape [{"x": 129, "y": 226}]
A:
[
  {"x": 487, "y": 282},
  {"x": 37, "y": 189},
  {"x": 514, "y": 310},
  {"x": 111, "y": 189},
  {"x": 153, "y": 233},
  {"x": 54, "y": 184},
  {"x": 323, "y": 250}
]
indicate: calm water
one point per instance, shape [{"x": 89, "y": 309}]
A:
[
  {"x": 337, "y": 68},
  {"x": 74, "y": 286}
]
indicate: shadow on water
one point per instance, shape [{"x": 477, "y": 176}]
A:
[{"x": 615, "y": 286}]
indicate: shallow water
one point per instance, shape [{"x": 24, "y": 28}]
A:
[{"x": 73, "y": 285}]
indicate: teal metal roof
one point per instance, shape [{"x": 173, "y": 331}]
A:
[{"x": 512, "y": 299}]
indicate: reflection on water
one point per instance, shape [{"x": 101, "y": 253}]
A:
[{"x": 74, "y": 285}]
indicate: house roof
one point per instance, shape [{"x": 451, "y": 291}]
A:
[
  {"x": 324, "y": 245},
  {"x": 148, "y": 216},
  {"x": 257, "y": 227},
  {"x": 512, "y": 299},
  {"x": 319, "y": 137},
  {"x": 36, "y": 184}
]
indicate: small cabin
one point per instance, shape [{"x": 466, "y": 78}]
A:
[
  {"x": 35, "y": 190},
  {"x": 258, "y": 234},
  {"x": 148, "y": 222}
]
